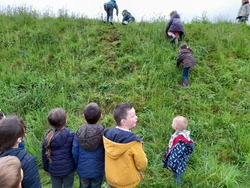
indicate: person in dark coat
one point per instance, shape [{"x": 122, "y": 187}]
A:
[
  {"x": 88, "y": 149},
  {"x": 57, "y": 155},
  {"x": 127, "y": 17},
  {"x": 12, "y": 132},
  {"x": 175, "y": 29},
  {"x": 109, "y": 7},
  {"x": 186, "y": 58}
]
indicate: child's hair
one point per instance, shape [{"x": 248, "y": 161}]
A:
[
  {"x": 57, "y": 119},
  {"x": 121, "y": 112},
  {"x": 172, "y": 13},
  {"x": 245, "y": 2},
  {"x": 124, "y": 11},
  {"x": 184, "y": 46},
  {"x": 180, "y": 122},
  {"x": 92, "y": 113},
  {"x": 11, "y": 128},
  {"x": 10, "y": 173}
]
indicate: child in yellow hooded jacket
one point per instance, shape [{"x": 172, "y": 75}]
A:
[{"x": 124, "y": 155}]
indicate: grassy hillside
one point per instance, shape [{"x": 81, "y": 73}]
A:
[{"x": 68, "y": 62}]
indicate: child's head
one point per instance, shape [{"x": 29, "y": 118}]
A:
[
  {"x": 125, "y": 116},
  {"x": 124, "y": 11},
  {"x": 184, "y": 46},
  {"x": 11, "y": 173},
  {"x": 57, "y": 118},
  {"x": 172, "y": 13},
  {"x": 12, "y": 132},
  {"x": 245, "y": 2},
  {"x": 179, "y": 123},
  {"x": 92, "y": 113}
]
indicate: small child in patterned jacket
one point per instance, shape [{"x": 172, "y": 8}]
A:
[{"x": 179, "y": 148}]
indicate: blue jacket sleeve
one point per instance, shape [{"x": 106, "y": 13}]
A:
[
  {"x": 75, "y": 150},
  {"x": 31, "y": 177}
]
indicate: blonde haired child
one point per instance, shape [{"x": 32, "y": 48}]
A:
[
  {"x": 11, "y": 174},
  {"x": 179, "y": 148}
]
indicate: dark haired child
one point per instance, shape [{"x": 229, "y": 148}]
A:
[
  {"x": 11, "y": 173},
  {"x": 109, "y": 7},
  {"x": 12, "y": 132},
  {"x": 186, "y": 58},
  {"x": 57, "y": 156},
  {"x": 174, "y": 29},
  {"x": 88, "y": 150},
  {"x": 21, "y": 144},
  {"x": 179, "y": 148},
  {"x": 124, "y": 155},
  {"x": 244, "y": 11},
  {"x": 127, "y": 17}
]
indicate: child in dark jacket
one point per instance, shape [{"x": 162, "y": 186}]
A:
[
  {"x": 109, "y": 8},
  {"x": 174, "y": 29},
  {"x": 88, "y": 150},
  {"x": 127, "y": 17},
  {"x": 187, "y": 60},
  {"x": 12, "y": 132},
  {"x": 57, "y": 144},
  {"x": 179, "y": 148}
]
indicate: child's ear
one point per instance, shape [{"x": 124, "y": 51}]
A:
[
  {"x": 100, "y": 116},
  {"x": 83, "y": 116},
  {"x": 123, "y": 122},
  {"x": 19, "y": 140}
]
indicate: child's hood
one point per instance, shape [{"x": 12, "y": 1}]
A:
[
  {"x": 89, "y": 137},
  {"x": 175, "y": 15},
  {"x": 114, "y": 150}
]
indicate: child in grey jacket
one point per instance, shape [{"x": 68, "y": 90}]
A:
[{"x": 243, "y": 12}]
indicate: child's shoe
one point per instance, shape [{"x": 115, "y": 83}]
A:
[{"x": 184, "y": 83}]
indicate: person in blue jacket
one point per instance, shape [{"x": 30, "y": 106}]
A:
[
  {"x": 12, "y": 132},
  {"x": 88, "y": 149},
  {"x": 57, "y": 144},
  {"x": 175, "y": 28},
  {"x": 109, "y": 7},
  {"x": 127, "y": 17}
]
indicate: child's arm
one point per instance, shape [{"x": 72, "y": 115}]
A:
[
  {"x": 140, "y": 158},
  {"x": 75, "y": 150},
  {"x": 179, "y": 60}
]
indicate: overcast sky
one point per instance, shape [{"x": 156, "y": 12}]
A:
[{"x": 141, "y": 9}]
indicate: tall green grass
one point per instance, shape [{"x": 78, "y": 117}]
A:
[{"x": 67, "y": 62}]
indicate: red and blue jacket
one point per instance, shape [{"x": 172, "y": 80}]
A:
[{"x": 177, "y": 154}]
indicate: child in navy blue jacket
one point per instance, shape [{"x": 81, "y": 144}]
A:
[
  {"x": 57, "y": 155},
  {"x": 88, "y": 149},
  {"x": 179, "y": 148},
  {"x": 12, "y": 132}
]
